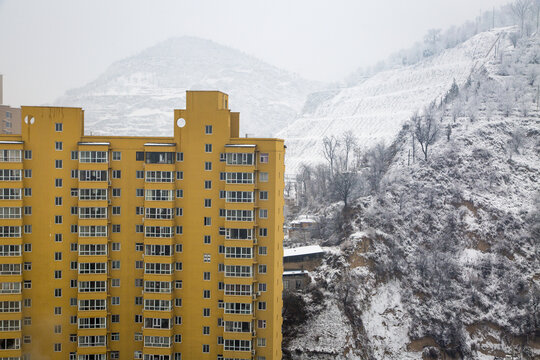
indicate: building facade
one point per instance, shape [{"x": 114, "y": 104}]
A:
[
  {"x": 154, "y": 248},
  {"x": 10, "y": 117}
]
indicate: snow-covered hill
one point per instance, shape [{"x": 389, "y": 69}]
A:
[
  {"x": 442, "y": 260},
  {"x": 376, "y": 108},
  {"x": 137, "y": 95}
]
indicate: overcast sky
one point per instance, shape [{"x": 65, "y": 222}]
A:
[{"x": 48, "y": 47}]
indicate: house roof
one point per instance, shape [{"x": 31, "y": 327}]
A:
[{"x": 303, "y": 250}]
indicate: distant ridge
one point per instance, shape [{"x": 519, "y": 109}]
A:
[{"x": 137, "y": 95}]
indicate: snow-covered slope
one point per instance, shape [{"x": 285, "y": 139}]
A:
[
  {"x": 442, "y": 261},
  {"x": 137, "y": 95},
  {"x": 376, "y": 108}
]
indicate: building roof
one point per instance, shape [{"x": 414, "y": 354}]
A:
[
  {"x": 294, "y": 272},
  {"x": 303, "y": 250},
  {"x": 303, "y": 219}
]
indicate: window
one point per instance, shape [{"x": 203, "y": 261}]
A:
[
  {"x": 208, "y": 148},
  {"x": 207, "y": 165},
  {"x": 58, "y": 256},
  {"x": 179, "y": 156},
  {"x": 239, "y": 178},
  {"x": 239, "y": 196},
  {"x": 262, "y": 269},
  {"x": 27, "y": 173},
  {"x": 139, "y": 246},
  {"x": 58, "y": 164},
  {"x": 93, "y": 175},
  {"x": 115, "y": 264},
  {"x": 74, "y": 210},
  {"x": 179, "y": 193},
  {"x": 27, "y": 154},
  {"x": 116, "y": 174},
  {"x": 238, "y": 289},
  {"x": 116, "y": 155},
  {"x": 263, "y": 176},
  {"x": 74, "y": 155},
  {"x": 263, "y": 158},
  {"x": 261, "y": 324},
  {"x": 238, "y": 271},
  {"x": 115, "y": 318},
  {"x": 262, "y": 305},
  {"x": 159, "y": 176},
  {"x": 58, "y": 183},
  {"x": 261, "y": 342},
  {"x": 263, "y": 250},
  {"x": 116, "y": 192},
  {"x": 115, "y": 282},
  {"x": 263, "y": 195},
  {"x": 207, "y": 184},
  {"x": 206, "y": 312},
  {"x": 206, "y": 258},
  {"x": 58, "y": 127},
  {"x": 139, "y": 156},
  {"x": 57, "y": 347},
  {"x": 139, "y": 192},
  {"x": 207, "y": 239},
  {"x": 262, "y": 287},
  {"x": 239, "y": 215},
  {"x": 139, "y": 174},
  {"x": 92, "y": 194},
  {"x": 159, "y": 157},
  {"x": 116, "y": 210},
  {"x": 139, "y": 210},
  {"x": 139, "y": 228},
  {"x": 10, "y": 175},
  {"x": 58, "y": 274},
  {"x": 206, "y": 294},
  {"x": 178, "y": 248},
  {"x": 93, "y": 157},
  {"x": 27, "y": 229},
  {"x": 237, "y": 345},
  {"x": 74, "y": 174},
  {"x": 240, "y": 159},
  {"x": 263, "y": 232},
  {"x": 208, "y": 129},
  {"x": 58, "y": 145},
  {"x": 179, "y": 175},
  {"x": 115, "y": 337},
  {"x": 159, "y": 195},
  {"x": 116, "y": 228},
  {"x": 58, "y": 201},
  {"x": 207, "y": 221},
  {"x": 57, "y": 292},
  {"x": 206, "y": 275},
  {"x": 263, "y": 213}
]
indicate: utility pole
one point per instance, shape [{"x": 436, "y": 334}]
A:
[{"x": 493, "y": 19}]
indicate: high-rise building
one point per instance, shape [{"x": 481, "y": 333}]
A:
[
  {"x": 10, "y": 117},
  {"x": 154, "y": 248}
]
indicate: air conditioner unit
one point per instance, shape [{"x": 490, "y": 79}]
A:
[
  {"x": 258, "y": 293},
  {"x": 253, "y": 352}
]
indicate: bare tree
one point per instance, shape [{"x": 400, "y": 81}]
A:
[
  {"x": 376, "y": 159},
  {"x": 331, "y": 145},
  {"x": 426, "y": 130},
  {"x": 521, "y": 9},
  {"x": 344, "y": 184},
  {"x": 350, "y": 142}
]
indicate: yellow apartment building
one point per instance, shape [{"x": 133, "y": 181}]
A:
[{"x": 154, "y": 248}]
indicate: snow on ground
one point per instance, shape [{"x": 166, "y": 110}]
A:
[
  {"x": 387, "y": 323},
  {"x": 376, "y": 109},
  {"x": 331, "y": 336}
]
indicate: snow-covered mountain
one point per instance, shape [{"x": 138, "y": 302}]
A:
[
  {"x": 137, "y": 95},
  {"x": 442, "y": 259},
  {"x": 376, "y": 108}
]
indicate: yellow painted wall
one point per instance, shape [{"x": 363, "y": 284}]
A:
[{"x": 203, "y": 109}]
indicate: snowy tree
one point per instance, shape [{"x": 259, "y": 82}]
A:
[
  {"x": 521, "y": 9},
  {"x": 344, "y": 184},
  {"x": 350, "y": 142},
  {"x": 426, "y": 130},
  {"x": 376, "y": 165},
  {"x": 330, "y": 149}
]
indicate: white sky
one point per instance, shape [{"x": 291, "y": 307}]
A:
[{"x": 48, "y": 47}]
